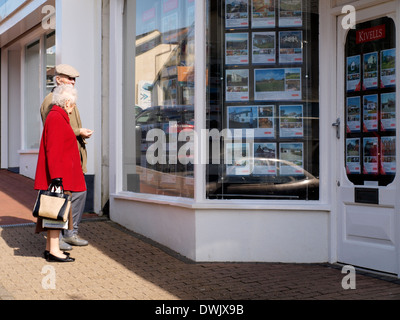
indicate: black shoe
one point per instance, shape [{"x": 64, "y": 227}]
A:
[
  {"x": 46, "y": 254},
  {"x": 52, "y": 258}
]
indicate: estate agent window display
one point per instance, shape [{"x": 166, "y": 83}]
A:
[
  {"x": 264, "y": 77},
  {"x": 370, "y": 143}
]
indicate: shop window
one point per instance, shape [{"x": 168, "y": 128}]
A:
[
  {"x": 50, "y": 61},
  {"x": 39, "y": 72},
  {"x": 158, "y": 113},
  {"x": 263, "y": 95},
  {"x": 370, "y": 142},
  {"x": 7, "y": 7},
  {"x": 32, "y": 96}
]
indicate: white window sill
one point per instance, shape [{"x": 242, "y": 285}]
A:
[{"x": 234, "y": 204}]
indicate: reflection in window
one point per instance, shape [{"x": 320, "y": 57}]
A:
[
  {"x": 32, "y": 96},
  {"x": 263, "y": 89},
  {"x": 158, "y": 97},
  {"x": 37, "y": 73},
  {"x": 7, "y": 7},
  {"x": 50, "y": 61}
]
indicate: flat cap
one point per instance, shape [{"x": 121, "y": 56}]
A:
[{"x": 67, "y": 70}]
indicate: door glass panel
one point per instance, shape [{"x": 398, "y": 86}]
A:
[{"x": 370, "y": 103}]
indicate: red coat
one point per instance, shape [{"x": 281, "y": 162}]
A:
[{"x": 58, "y": 154}]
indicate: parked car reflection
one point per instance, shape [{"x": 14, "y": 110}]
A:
[
  {"x": 181, "y": 117},
  {"x": 265, "y": 178},
  {"x": 171, "y": 120}
]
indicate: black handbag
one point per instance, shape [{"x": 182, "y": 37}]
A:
[{"x": 52, "y": 205}]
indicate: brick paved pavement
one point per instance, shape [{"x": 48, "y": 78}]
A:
[
  {"x": 16, "y": 197},
  {"x": 120, "y": 265}
]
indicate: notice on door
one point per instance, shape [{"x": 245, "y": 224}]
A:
[{"x": 371, "y": 34}]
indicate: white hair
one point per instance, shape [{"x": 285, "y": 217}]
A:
[{"x": 63, "y": 93}]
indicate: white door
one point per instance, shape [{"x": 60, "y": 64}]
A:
[{"x": 367, "y": 125}]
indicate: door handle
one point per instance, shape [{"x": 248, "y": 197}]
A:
[{"x": 337, "y": 125}]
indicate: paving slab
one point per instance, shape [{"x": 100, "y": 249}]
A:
[{"x": 121, "y": 265}]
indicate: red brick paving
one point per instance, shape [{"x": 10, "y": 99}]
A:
[
  {"x": 17, "y": 198},
  {"x": 117, "y": 264},
  {"x": 120, "y": 265}
]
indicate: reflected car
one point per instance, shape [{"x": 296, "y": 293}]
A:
[
  {"x": 267, "y": 178},
  {"x": 161, "y": 116},
  {"x": 138, "y": 110},
  {"x": 170, "y": 119}
]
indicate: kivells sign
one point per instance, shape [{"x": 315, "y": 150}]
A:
[{"x": 371, "y": 34}]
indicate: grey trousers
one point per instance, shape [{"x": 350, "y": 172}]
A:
[{"x": 77, "y": 205}]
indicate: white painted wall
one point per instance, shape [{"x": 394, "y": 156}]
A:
[
  {"x": 229, "y": 234},
  {"x": 262, "y": 235},
  {"x": 171, "y": 226},
  {"x": 27, "y": 163},
  {"x": 78, "y": 43}
]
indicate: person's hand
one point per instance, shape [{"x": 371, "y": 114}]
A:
[
  {"x": 86, "y": 133},
  {"x": 56, "y": 184}
]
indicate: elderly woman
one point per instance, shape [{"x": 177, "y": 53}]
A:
[{"x": 59, "y": 163}]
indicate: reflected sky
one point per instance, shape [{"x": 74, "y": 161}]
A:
[
  {"x": 163, "y": 15},
  {"x": 8, "y": 6}
]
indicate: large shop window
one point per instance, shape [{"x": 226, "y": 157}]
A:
[
  {"x": 50, "y": 46},
  {"x": 7, "y": 7},
  {"x": 370, "y": 155},
  {"x": 263, "y": 104},
  {"x": 158, "y": 113},
  {"x": 36, "y": 79},
  {"x": 32, "y": 96}
]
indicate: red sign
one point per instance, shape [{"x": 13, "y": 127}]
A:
[{"x": 371, "y": 34}]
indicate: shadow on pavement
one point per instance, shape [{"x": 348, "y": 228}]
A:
[
  {"x": 23, "y": 240},
  {"x": 12, "y": 220},
  {"x": 119, "y": 264}
]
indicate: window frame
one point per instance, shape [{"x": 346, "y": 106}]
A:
[
  {"x": 40, "y": 36},
  {"x": 232, "y": 184},
  {"x": 199, "y": 201}
]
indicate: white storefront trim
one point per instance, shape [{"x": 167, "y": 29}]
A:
[
  {"x": 229, "y": 232},
  {"x": 214, "y": 230}
]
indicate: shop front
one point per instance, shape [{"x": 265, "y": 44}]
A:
[
  {"x": 226, "y": 130},
  {"x": 257, "y": 130},
  {"x": 27, "y": 70},
  {"x": 35, "y": 35}
]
